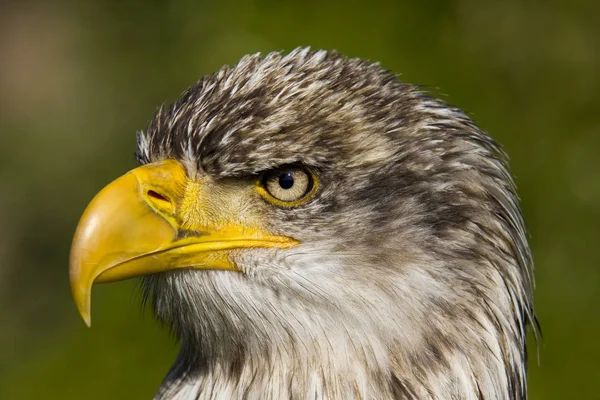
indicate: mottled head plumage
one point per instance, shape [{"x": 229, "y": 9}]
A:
[{"x": 413, "y": 278}]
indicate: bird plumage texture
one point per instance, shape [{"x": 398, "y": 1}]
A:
[{"x": 413, "y": 276}]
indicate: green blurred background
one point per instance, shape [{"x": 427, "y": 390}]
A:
[{"x": 77, "y": 79}]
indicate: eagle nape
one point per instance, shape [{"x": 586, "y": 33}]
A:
[{"x": 311, "y": 227}]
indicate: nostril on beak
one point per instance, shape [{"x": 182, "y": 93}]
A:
[
  {"x": 157, "y": 196},
  {"x": 159, "y": 202}
]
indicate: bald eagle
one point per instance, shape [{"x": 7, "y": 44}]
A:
[{"x": 311, "y": 227}]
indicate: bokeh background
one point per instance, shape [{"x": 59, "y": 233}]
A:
[{"x": 78, "y": 79}]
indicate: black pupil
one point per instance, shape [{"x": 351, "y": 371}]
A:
[{"x": 286, "y": 180}]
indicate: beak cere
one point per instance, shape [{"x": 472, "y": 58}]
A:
[{"x": 133, "y": 228}]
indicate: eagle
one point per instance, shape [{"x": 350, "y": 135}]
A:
[{"x": 309, "y": 226}]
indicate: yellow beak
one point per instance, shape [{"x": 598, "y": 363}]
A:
[{"x": 133, "y": 227}]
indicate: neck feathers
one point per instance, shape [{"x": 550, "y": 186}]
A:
[{"x": 332, "y": 366}]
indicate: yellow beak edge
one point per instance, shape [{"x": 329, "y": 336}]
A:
[{"x": 133, "y": 228}]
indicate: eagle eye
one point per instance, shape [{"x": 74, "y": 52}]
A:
[{"x": 287, "y": 186}]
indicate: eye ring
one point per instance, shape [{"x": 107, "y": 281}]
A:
[{"x": 287, "y": 186}]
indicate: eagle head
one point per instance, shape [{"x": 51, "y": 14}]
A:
[{"x": 309, "y": 226}]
